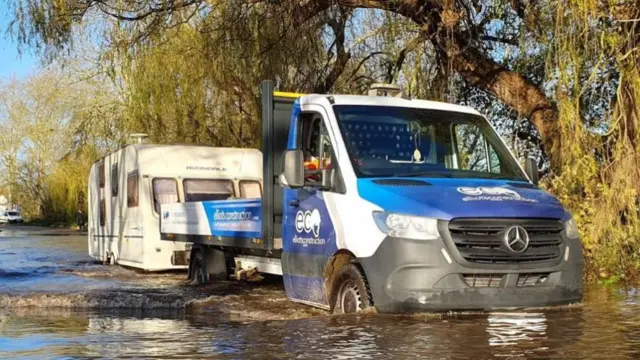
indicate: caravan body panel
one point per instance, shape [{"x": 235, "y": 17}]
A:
[{"x": 128, "y": 187}]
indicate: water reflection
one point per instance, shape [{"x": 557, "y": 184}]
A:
[
  {"x": 605, "y": 330},
  {"x": 607, "y": 326}
]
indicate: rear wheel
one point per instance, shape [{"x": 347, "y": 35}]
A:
[{"x": 351, "y": 291}]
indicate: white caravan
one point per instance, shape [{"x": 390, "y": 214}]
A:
[{"x": 127, "y": 187}]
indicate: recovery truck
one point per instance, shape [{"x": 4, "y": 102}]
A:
[{"x": 379, "y": 200}]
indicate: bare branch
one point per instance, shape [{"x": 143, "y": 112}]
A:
[{"x": 513, "y": 42}]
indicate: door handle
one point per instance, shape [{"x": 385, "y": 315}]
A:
[{"x": 294, "y": 203}]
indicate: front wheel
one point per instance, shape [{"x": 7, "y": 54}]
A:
[{"x": 351, "y": 291}]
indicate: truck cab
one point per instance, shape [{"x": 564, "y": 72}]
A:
[{"x": 405, "y": 205}]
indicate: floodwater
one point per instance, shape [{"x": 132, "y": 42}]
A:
[{"x": 56, "y": 303}]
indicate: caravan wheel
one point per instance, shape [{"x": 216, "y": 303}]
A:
[
  {"x": 109, "y": 259},
  {"x": 200, "y": 275}
]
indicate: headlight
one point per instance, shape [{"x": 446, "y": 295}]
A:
[
  {"x": 571, "y": 229},
  {"x": 404, "y": 226}
]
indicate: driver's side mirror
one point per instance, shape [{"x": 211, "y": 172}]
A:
[
  {"x": 293, "y": 169},
  {"x": 531, "y": 168}
]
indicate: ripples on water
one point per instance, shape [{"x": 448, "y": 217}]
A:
[
  {"x": 261, "y": 323},
  {"x": 587, "y": 332}
]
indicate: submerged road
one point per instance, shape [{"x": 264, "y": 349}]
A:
[{"x": 55, "y": 302}]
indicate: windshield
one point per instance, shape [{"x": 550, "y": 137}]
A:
[
  {"x": 386, "y": 141},
  {"x": 12, "y": 213}
]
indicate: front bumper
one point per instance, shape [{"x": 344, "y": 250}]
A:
[{"x": 415, "y": 276}]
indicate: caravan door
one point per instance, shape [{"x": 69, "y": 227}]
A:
[{"x": 133, "y": 235}]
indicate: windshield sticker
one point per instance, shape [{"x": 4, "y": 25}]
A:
[{"x": 491, "y": 194}]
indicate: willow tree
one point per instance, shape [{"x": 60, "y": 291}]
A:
[
  {"x": 596, "y": 54},
  {"x": 52, "y": 127},
  {"x": 463, "y": 36},
  {"x": 197, "y": 82}
]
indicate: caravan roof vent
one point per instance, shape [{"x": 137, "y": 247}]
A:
[
  {"x": 389, "y": 90},
  {"x": 139, "y": 136}
]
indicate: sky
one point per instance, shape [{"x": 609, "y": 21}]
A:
[{"x": 12, "y": 63}]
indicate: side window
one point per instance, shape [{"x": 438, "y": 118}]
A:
[
  {"x": 132, "y": 189},
  {"x": 315, "y": 143},
  {"x": 494, "y": 161},
  {"x": 207, "y": 189},
  {"x": 471, "y": 148},
  {"x": 114, "y": 180},
  {"x": 165, "y": 191},
  {"x": 250, "y": 189},
  {"x": 103, "y": 210}
]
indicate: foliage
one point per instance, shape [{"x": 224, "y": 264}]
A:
[
  {"x": 55, "y": 125},
  {"x": 600, "y": 177}
]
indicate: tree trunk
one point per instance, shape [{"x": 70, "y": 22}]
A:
[{"x": 513, "y": 89}]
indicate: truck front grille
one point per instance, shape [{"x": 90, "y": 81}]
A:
[
  {"x": 483, "y": 240},
  {"x": 483, "y": 280}
]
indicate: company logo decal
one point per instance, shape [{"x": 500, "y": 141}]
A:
[
  {"x": 245, "y": 219},
  {"x": 221, "y": 215},
  {"x": 491, "y": 194},
  {"x": 516, "y": 239},
  {"x": 308, "y": 222},
  {"x": 179, "y": 218},
  {"x": 205, "y": 168}
]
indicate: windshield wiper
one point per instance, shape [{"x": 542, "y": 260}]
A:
[
  {"x": 424, "y": 174},
  {"x": 498, "y": 177}
]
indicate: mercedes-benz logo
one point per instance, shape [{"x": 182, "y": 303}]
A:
[{"x": 516, "y": 239}]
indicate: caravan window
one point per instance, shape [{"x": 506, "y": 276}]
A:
[
  {"x": 207, "y": 189},
  {"x": 165, "y": 191},
  {"x": 114, "y": 180},
  {"x": 102, "y": 210},
  {"x": 132, "y": 189},
  {"x": 250, "y": 189},
  {"x": 101, "y": 175}
]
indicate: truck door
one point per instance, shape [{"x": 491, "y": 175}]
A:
[{"x": 309, "y": 238}]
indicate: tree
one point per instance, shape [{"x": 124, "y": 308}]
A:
[
  {"x": 52, "y": 124},
  {"x": 462, "y": 34}
]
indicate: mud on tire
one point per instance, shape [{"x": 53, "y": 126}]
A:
[{"x": 350, "y": 291}]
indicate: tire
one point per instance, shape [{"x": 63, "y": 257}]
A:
[
  {"x": 199, "y": 274},
  {"x": 350, "y": 291},
  {"x": 109, "y": 259}
]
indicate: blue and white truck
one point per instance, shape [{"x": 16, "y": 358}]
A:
[{"x": 378, "y": 200}]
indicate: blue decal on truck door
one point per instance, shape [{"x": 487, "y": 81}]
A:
[{"x": 308, "y": 233}]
